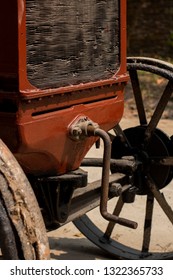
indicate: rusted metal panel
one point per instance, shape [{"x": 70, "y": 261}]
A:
[{"x": 69, "y": 42}]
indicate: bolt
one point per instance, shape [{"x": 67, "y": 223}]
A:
[
  {"x": 116, "y": 189},
  {"x": 76, "y": 131}
]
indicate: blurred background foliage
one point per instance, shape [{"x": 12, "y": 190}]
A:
[
  {"x": 150, "y": 34},
  {"x": 150, "y": 28}
]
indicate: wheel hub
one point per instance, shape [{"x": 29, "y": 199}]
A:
[{"x": 148, "y": 153}]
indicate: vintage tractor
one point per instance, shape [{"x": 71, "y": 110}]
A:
[{"x": 63, "y": 74}]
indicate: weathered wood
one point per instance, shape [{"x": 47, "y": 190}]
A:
[{"x": 70, "y": 42}]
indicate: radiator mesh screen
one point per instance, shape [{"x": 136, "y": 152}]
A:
[{"x": 71, "y": 42}]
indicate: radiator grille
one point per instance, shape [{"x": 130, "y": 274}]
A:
[{"x": 71, "y": 42}]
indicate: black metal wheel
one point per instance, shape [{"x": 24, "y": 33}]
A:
[
  {"x": 22, "y": 231},
  {"x": 152, "y": 147}
]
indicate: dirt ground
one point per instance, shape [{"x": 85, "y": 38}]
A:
[{"x": 67, "y": 243}]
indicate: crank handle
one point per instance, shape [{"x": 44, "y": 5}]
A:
[{"x": 118, "y": 220}]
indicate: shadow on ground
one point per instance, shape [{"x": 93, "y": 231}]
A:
[{"x": 72, "y": 249}]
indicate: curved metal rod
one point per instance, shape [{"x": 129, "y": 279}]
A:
[
  {"x": 105, "y": 180},
  {"x": 111, "y": 224}
]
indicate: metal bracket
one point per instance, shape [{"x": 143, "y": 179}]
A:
[{"x": 78, "y": 129}]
